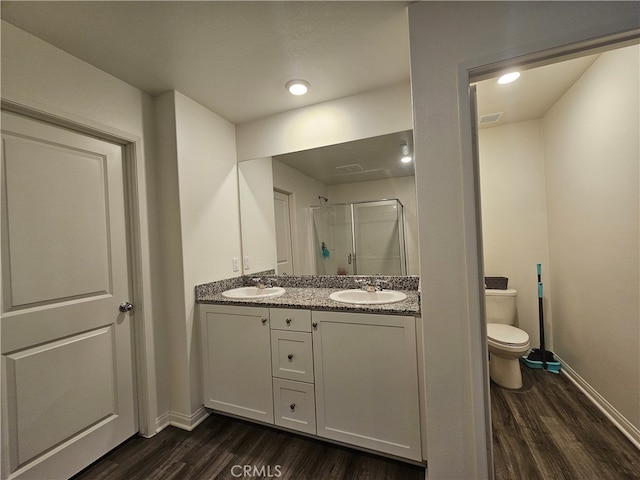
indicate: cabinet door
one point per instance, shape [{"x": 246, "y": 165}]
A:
[
  {"x": 367, "y": 381},
  {"x": 237, "y": 361}
]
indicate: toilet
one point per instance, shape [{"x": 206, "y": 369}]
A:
[{"x": 507, "y": 343}]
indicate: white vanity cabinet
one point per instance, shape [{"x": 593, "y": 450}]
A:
[
  {"x": 236, "y": 346},
  {"x": 366, "y": 381},
  {"x": 346, "y": 377}
]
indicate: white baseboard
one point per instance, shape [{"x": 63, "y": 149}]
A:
[
  {"x": 180, "y": 420},
  {"x": 625, "y": 426},
  {"x": 163, "y": 421}
]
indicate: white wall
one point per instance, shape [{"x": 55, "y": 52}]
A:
[
  {"x": 365, "y": 115},
  {"x": 198, "y": 178},
  {"x": 402, "y": 188},
  {"x": 39, "y": 76},
  {"x": 170, "y": 239},
  {"x": 454, "y": 334},
  {"x": 514, "y": 216},
  {"x": 305, "y": 192},
  {"x": 255, "y": 183},
  {"x": 209, "y": 213},
  {"x": 592, "y": 151}
]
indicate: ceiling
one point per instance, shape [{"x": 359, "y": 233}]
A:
[
  {"x": 234, "y": 57},
  {"x": 362, "y": 160},
  {"x": 533, "y": 94}
]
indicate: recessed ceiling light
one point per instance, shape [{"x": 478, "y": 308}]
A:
[
  {"x": 508, "y": 77},
  {"x": 297, "y": 87},
  {"x": 406, "y": 155}
]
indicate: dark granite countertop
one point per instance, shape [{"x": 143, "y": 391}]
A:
[{"x": 312, "y": 293}]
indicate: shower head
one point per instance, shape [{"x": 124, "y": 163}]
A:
[{"x": 321, "y": 198}]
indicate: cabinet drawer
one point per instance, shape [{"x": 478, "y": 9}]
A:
[
  {"x": 295, "y": 405},
  {"x": 290, "y": 319},
  {"x": 292, "y": 355}
]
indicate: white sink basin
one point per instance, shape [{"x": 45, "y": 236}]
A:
[
  {"x": 253, "y": 292},
  {"x": 362, "y": 297}
]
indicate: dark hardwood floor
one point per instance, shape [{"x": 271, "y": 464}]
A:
[
  {"x": 220, "y": 447},
  {"x": 550, "y": 430}
]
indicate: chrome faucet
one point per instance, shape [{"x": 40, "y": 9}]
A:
[
  {"x": 371, "y": 285},
  {"x": 268, "y": 283}
]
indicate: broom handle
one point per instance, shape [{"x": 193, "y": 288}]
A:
[{"x": 541, "y": 318}]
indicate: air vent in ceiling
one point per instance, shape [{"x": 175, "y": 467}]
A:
[
  {"x": 490, "y": 118},
  {"x": 354, "y": 167}
]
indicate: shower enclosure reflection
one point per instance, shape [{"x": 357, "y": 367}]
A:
[{"x": 360, "y": 238}]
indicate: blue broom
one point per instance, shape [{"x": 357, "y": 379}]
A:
[{"x": 541, "y": 358}]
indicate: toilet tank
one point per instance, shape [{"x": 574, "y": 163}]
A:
[{"x": 501, "y": 306}]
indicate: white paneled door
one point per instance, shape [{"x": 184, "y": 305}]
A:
[
  {"x": 67, "y": 359},
  {"x": 284, "y": 249}
]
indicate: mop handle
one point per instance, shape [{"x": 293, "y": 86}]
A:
[
  {"x": 541, "y": 317},
  {"x": 539, "y": 268}
]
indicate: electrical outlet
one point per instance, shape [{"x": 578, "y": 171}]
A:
[
  {"x": 236, "y": 264},
  {"x": 246, "y": 263}
]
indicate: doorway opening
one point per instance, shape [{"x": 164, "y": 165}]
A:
[{"x": 559, "y": 182}]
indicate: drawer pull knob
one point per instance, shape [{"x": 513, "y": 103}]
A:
[
  {"x": 290, "y": 356},
  {"x": 264, "y": 321},
  {"x": 314, "y": 324},
  {"x": 288, "y": 321},
  {"x": 292, "y": 407}
]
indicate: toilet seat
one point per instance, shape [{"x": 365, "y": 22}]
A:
[{"x": 501, "y": 335}]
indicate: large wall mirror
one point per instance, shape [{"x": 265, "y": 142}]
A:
[{"x": 345, "y": 209}]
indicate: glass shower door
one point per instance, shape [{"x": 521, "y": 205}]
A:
[
  {"x": 333, "y": 240},
  {"x": 379, "y": 237}
]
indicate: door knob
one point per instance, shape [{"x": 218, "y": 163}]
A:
[{"x": 125, "y": 307}]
